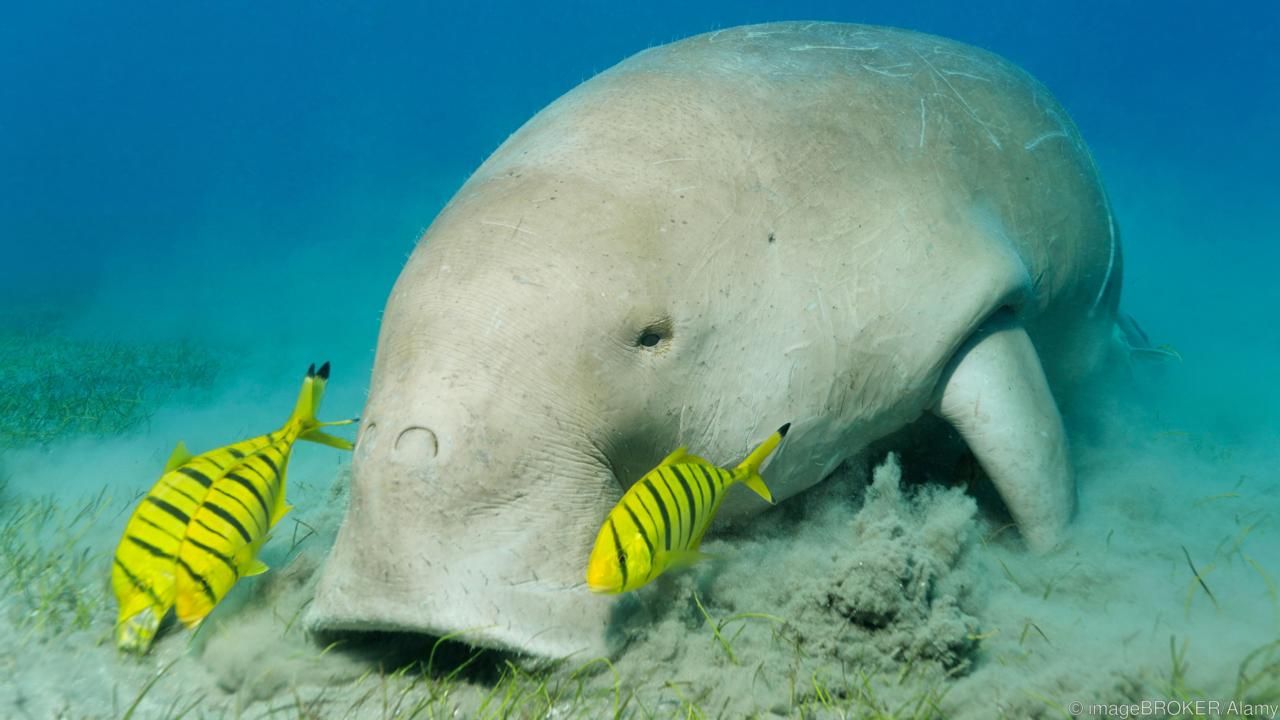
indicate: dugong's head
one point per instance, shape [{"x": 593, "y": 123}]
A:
[{"x": 550, "y": 339}]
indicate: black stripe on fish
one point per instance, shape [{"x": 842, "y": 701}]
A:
[
  {"x": 683, "y": 517},
  {"x": 240, "y": 479},
  {"x": 662, "y": 510},
  {"x": 644, "y": 534},
  {"x": 143, "y": 519},
  {"x": 229, "y": 519},
  {"x": 694, "y": 512},
  {"x": 247, "y": 511},
  {"x": 178, "y": 489},
  {"x": 250, "y": 466},
  {"x": 275, "y": 470},
  {"x": 235, "y": 453},
  {"x": 712, "y": 486},
  {"x": 617, "y": 545},
  {"x": 136, "y": 582},
  {"x": 151, "y": 549},
  {"x": 695, "y": 482},
  {"x": 204, "y": 584},
  {"x": 648, "y": 514},
  {"x": 197, "y": 476},
  {"x": 674, "y": 518},
  {"x": 175, "y": 512},
  {"x": 210, "y": 528},
  {"x": 225, "y": 560}
]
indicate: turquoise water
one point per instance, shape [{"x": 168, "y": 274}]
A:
[{"x": 197, "y": 201}]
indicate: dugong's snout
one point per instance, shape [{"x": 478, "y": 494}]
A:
[{"x": 428, "y": 550}]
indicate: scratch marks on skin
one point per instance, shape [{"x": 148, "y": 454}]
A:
[
  {"x": 668, "y": 160},
  {"x": 959, "y": 73},
  {"x": 1033, "y": 143},
  {"x": 960, "y": 98},
  {"x": 1111, "y": 261},
  {"x": 847, "y": 48},
  {"x": 1064, "y": 126},
  {"x": 922, "y": 123},
  {"x": 888, "y": 70},
  {"x": 822, "y": 307},
  {"x": 514, "y": 228}
]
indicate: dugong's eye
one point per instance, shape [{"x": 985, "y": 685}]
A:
[{"x": 654, "y": 333}]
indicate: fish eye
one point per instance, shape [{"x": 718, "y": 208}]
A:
[{"x": 622, "y": 558}]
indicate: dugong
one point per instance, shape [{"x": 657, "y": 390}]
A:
[{"x": 839, "y": 226}]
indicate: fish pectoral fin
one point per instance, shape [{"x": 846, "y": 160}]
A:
[
  {"x": 255, "y": 567},
  {"x": 686, "y": 558},
  {"x": 179, "y": 457},
  {"x": 282, "y": 508},
  {"x": 676, "y": 456}
]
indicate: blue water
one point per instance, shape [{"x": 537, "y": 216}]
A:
[
  {"x": 153, "y": 140},
  {"x": 252, "y": 176}
]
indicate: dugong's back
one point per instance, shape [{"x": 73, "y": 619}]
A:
[{"x": 848, "y": 135}]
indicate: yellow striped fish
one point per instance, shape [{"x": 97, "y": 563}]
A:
[
  {"x": 659, "y": 522},
  {"x": 201, "y": 526}
]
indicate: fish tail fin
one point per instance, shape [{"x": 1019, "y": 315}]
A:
[
  {"x": 304, "y": 412},
  {"x": 749, "y": 469}
]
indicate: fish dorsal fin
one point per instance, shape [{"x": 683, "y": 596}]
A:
[
  {"x": 695, "y": 460},
  {"x": 680, "y": 454},
  {"x": 179, "y": 457}
]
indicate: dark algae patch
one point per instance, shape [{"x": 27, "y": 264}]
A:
[{"x": 54, "y": 387}]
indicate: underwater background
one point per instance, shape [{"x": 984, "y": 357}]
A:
[{"x": 197, "y": 200}]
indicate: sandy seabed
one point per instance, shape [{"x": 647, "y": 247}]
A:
[{"x": 888, "y": 591}]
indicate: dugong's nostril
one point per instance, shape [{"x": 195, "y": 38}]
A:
[{"x": 416, "y": 443}]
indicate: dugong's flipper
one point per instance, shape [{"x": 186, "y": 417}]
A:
[{"x": 996, "y": 396}]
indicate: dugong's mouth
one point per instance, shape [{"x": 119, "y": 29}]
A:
[
  {"x": 413, "y": 556},
  {"x": 466, "y": 602},
  {"x": 543, "y": 621}
]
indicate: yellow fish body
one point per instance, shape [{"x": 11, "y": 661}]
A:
[
  {"x": 200, "y": 527},
  {"x": 659, "y": 522}
]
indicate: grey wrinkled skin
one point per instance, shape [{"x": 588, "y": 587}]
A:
[{"x": 840, "y": 226}]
